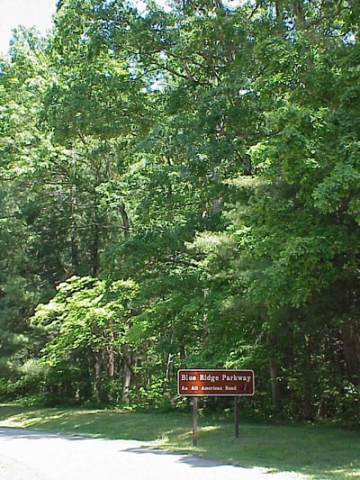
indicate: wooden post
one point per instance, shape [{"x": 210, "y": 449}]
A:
[
  {"x": 236, "y": 410},
  {"x": 195, "y": 421}
]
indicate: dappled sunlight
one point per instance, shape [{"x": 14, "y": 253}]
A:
[
  {"x": 210, "y": 428},
  {"x": 30, "y": 419},
  {"x": 350, "y": 473}
]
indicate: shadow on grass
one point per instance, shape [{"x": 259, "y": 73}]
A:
[
  {"x": 115, "y": 424},
  {"x": 9, "y": 410},
  {"x": 321, "y": 453}
]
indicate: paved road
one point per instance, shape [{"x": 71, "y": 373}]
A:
[{"x": 29, "y": 455}]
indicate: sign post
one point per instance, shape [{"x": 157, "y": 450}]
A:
[
  {"x": 217, "y": 383},
  {"x": 195, "y": 421},
  {"x": 236, "y": 411}
]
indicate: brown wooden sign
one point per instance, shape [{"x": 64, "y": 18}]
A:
[{"x": 217, "y": 383}]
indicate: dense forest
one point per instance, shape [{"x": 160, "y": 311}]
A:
[{"x": 180, "y": 187}]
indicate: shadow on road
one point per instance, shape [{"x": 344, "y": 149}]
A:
[
  {"x": 16, "y": 433},
  {"x": 196, "y": 462},
  {"x": 193, "y": 461}
]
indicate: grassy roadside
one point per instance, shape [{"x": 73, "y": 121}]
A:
[{"x": 318, "y": 452}]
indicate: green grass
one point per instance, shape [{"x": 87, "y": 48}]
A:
[{"x": 318, "y": 452}]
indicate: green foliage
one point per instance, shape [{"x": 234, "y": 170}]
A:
[
  {"x": 85, "y": 321},
  {"x": 85, "y": 313}
]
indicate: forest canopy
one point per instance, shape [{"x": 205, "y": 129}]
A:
[{"x": 180, "y": 187}]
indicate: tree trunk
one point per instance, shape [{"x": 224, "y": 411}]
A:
[
  {"x": 351, "y": 341},
  {"x": 169, "y": 367},
  {"x": 279, "y": 12},
  {"x": 125, "y": 219},
  {"x": 95, "y": 250},
  {"x": 308, "y": 414},
  {"x": 73, "y": 228},
  {"x": 298, "y": 12},
  {"x": 275, "y": 384},
  {"x": 111, "y": 354},
  {"x": 127, "y": 374},
  {"x": 182, "y": 356},
  {"x": 98, "y": 376},
  {"x": 274, "y": 368}
]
